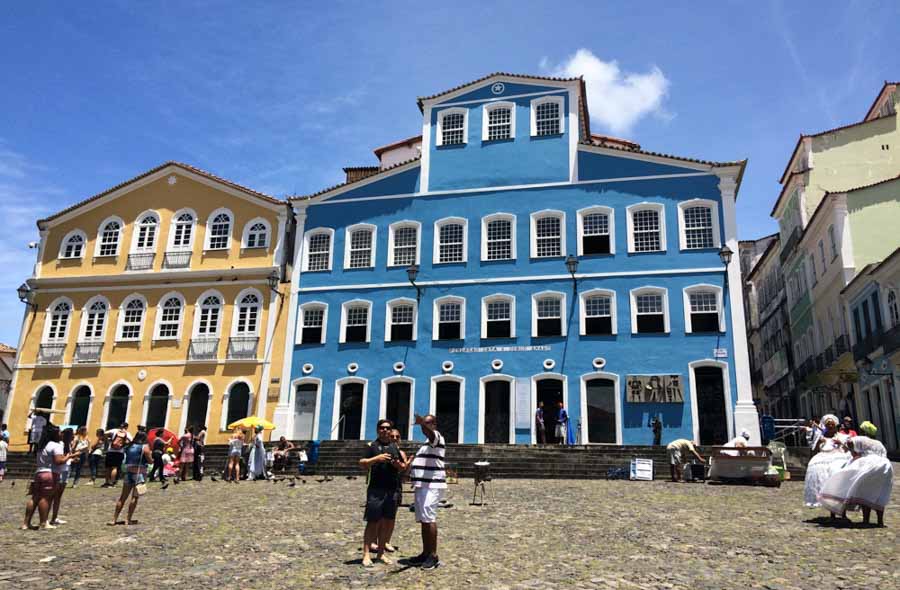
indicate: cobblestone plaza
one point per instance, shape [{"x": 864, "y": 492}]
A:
[{"x": 539, "y": 534}]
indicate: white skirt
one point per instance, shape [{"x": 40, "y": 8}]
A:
[
  {"x": 866, "y": 481},
  {"x": 820, "y": 469}
]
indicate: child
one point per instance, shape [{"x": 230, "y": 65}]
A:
[{"x": 4, "y": 446}]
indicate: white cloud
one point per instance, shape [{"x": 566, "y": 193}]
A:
[{"x": 616, "y": 99}]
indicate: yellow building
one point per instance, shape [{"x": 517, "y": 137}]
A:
[{"x": 156, "y": 302}]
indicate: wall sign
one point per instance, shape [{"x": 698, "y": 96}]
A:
[
  {"x": 720, "y": 353},
  {"x": 523, "y": 402},
  {"x": 470, "y": 349},
  {"x": 660, "y": 389}
]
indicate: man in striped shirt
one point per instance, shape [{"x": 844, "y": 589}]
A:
[{"x": 430, "y": 481}]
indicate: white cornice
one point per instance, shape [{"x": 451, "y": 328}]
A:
[
  {"x": 137, "y": 279},
  {"x": 654, "y": 159},
  {"x": 442, "y": 99}
]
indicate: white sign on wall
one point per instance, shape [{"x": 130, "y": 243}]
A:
[
  {"x": 720, "y": 353},
  {"x": 523, "y": 402}
]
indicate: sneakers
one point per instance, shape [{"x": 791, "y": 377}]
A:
[
  {"x": 432, "y": 562},
  {"x": 418, "y": 559}
]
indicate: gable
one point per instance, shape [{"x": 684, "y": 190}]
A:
[
  {"x": 593, "y": 166},
  {"x": 488, "y": 91},
  {"x": 405, "y": 182}
]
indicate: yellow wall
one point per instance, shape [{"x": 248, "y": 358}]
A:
[{"x": 874, "y": 221}]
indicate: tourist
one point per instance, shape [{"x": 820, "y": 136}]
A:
[
  {"x": 847, "y": 427},
  {"x": 43, "y": 486},
  {"x": 61, "y": 471},
  {"x": 256, "y": 466},
  {"x": 429, "y": 481},
  {"x": 157, "y": 450},
  {"x": 384, "y": 463},
  {"x": 830, "y": 457},
  {"x": 404, "y": 464},
  {"x": 38, "y": 422},
  {"x": 137, "y": 456},
  {"x": 115, "y": 453},
  {"x": 4, "y": 432},
  {"x": 82, "y": 447},
  {"x": 280, "y": 453},
  {"x": 186, "y": 443},
  {"x": 539, "y": 426},
  {"x": 199, "y": 456},
  {"x": 235, "y": 448},
  {"x": 813, "y": 431},
  {"x": 865, "y": 482},
  {"x": 562, "y": 425},
  {"x": 96, "y": 456},
  {"x": 678, "y": 451},
  {"x": 4, "y": 448},
  {"x": 656, "y": 426}
]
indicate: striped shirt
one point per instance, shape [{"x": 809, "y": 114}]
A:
[{"x": 428, "y": 465}]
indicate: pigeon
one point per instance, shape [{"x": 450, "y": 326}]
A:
[
  {"x": 302, "y": 481},
  {"x": 12, "y": 485},
  {"x": 164, "y": 486},
  {"x": 176, "y": 481},
  {"x": 321, "y": 480},
  {"x": 292, "y": 484},
  {"x": 213, "y": 477}
]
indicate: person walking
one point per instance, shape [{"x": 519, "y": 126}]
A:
[
  {"x": 186, "y": 443},
  {"x": 199, "y": 446},
  {"x": 656, "y": 426},
  {"x": 429, "y": 481},
  {"x": 82, "y": 446},
  {"x": 235, "y": 448},
  {"x": 382, "y": 460},
  {"x": 43, "y": 486},
  {"x": 157, "y": 449},
  {"x": 539, "y": 426},
  {"x": 115, "y": 453},
  {"x": 137, "y": 456},
  {"x": 96, "y": 456},
  {"x": 256, "y": 468},
  {"x": 61, "y": 471}
]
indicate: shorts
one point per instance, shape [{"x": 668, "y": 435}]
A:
[
  {"x": 44, "y": 485},
  {"x": 114, "y": 459},
  {"x": 427, "y": 500},
  {"x": 234, "y": 453},
  {"x": 674, "y": 456},
  {"x": 380, "y": 504},
  {"x": 133, "y": 479},
  {"x": 2, "y": 467},
  {"x": 560, "y": 431}
]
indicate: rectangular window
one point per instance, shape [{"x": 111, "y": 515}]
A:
[
  {"x": 450, "y": 248},
  {"x": 146, "y": 237},
  {"x": 549, "y": 316},
  {"x": 595, "y": 233},
  {"x": 546, "y": 118},
  {"x": 812, "y": 269},
  {"x": 219, "y": 232},
  {"x": 248, "y": 316},
  {"x": 169, "y": 321},
  {"x": 499, "y": 319},
  {"x": 449, "y": 321},
  {"x": 131, "y": 324},
  {"x": 109, "y": 240},
  {"x": 651, "y": 316},
  {"x": 499, "y": 124},
  {"x": 319, "y": 252},
  {"x": 183, "y": 229},
  {"x": 876, "y": 311},
  {"x": 94, "y": 325},
  {"x": 405, "y": 242},
  {"x": 401, "y": 323},
  {"x": 597, "y": 315},
  {"x": 704, "y": 312},
  {"x": 822, "y": 255},
  {"x": 313, "y": 322},
  {"x": 361, "y": 248},
  {"x": 832, "y": 241},
  {"x": 357, "y": 324},
  {"x": 499, "y": 239},
  {"x": 58, "y": 324},
  {"x": 548, "y": 232},
  {"x": 453, "y": 129},
  {"x": 698, "y": 228},
  {"x": 209, "y": 321},
  {"x": 646, "y": 228}
]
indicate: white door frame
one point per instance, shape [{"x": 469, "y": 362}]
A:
[
  {"x": 565, "y": 393},
  {"x": 618, "y": 399},
  {"x": 336, "y": 405},
  {"x": 512, "y": 404},
  {"x": 432, "y": 404},
  {"x": 382, "y": 401},
  {"x": 294, "y": 385},
  {"x": 726, "y": 387}
]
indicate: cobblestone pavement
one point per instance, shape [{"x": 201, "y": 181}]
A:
[{"x": 540, "y": 534}]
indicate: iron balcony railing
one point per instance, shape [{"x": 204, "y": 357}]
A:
[
  {"x": 789, "y": 245},
  {"x": 865, "y": 346},
  {"x": 829, "y": 355},
  {"x": 177, "y": 259},
  {"x": 841, "y": 345},
  {"x": 140, "y": 261},
  {"x": 890, "y": 340},
  {"x": 51, "y": 354},
  {"x": 242, "y": 347},
  {"x": 203, "y": 349},
  {"x": 88, "y": 352}
]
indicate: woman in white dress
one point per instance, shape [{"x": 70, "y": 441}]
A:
[
  {"x": 864, "y": 483},
  {"x": 257, "y": 463},
  {"x": 830, "y": 457}
]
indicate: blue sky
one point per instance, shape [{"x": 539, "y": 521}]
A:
[{"x": 281, "y": 95}]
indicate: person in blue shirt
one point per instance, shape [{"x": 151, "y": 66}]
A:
[{"x": 562, "y": 424}]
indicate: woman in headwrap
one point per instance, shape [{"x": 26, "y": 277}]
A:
[
  {"x": 830, "y": 457},
  {"x": 865, "y": 483},
  {"x": 257, "y": 463}
]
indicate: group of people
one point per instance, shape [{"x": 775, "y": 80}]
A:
[
  {"x": 386, "y": 465},
  {"x": 849, "y": 470},
  {"x": 563, "y": 433}
]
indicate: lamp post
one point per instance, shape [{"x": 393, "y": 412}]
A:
[
  {"x": 572, "y": 267},
  {"x": 273, "y": 281},
  {"x": 412, "y": 273},
  {"x": 26, "y": 295}
]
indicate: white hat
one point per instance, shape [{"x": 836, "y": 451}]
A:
[{"x": 745, "y": 433}]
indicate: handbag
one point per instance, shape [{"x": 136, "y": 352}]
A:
[{"x": 140, "y": 489}]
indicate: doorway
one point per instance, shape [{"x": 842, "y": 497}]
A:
[
  {"x": 711, "y": 412},
  {"x": 197, "y": 406},
  {"x": 117, "y": 412},
  {"x": 550, "y": 392},
  {"x": 496, "y": 411},
  {"x": 158, "y": 407},
  {"x": 350, "y": 409},
  {"x": 81, "y": 406},
  {"x": 600, "y": 397},
  {"x": 446, "y": 409},
  {"x": 397, "y": 406},
  {"x": 305, "y": 410}
]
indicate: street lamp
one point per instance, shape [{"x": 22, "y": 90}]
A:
[
  {"x": 273, "y": 281},
  {"x": 572, "y": 267},
  {"x": 412, "y": 272},
  {"x": 26, "y": 295},
  {"x": 725, "y": 255}
]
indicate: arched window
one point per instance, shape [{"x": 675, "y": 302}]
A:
[
  {"x": 218, "y": 232},
  {"x": 209, "y": 317},
  {"x": 58, "y": 322},
  {"x": 169, "y": 325},
  {"x": 157, "y": 406},
  {"x": 238, "y": 402},
  {"x": 256, "y": 234},
  {"x": 646, "y": 228},
  {"x": 145, "y": 233},
  {"x": 94, "y": 320},
  {"x": 182, "y": 235},
  {"x": 73, "y": 245},
  {"x": 451, "y": 240},
  {"x": 548, "y": 236},
  {"x": 80, "y": 406},
  {"x": 108, "y": 244},
  {"x": 698, "y": 224},
  {"x": 44, "y": 397},
  {"x": 318, "y": 250},
  {"x": 498, "y": 237},
  {"x": 247, "y": 320},
  {"x": 132, "y": 319},
  {"x": 117, "y": 407},
  {"x": 360, "y": 246}
]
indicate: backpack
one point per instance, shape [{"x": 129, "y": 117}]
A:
[{"x": 118, "y": 441}]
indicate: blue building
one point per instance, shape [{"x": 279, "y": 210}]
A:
[{"x": 444, "y": 281}]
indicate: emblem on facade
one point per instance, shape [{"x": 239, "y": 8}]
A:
[{"x": 498, "y": 88}]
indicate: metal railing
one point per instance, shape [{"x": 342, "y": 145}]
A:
[
  {"x": 140, "y": 261},
  {"x": 203, "y": 349},
  {"x": 863, "y": 347},
  {"x": 342, "y": 422},
  {"x": 177, "y": 259},
  {"x": 51, "y": 354},
  {"x": 890, "y": 340},
  {"x": 792, "y": 430},
  {"x": 242, "y": 347},
  {"x": 88, "y": 352}
]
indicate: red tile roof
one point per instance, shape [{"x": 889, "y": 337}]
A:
[
  {"x": 6, "y": 349},
  {"x": 669, "y": 156},
  {"x": 877, "y": 98},
  {"x": 400, "y": 143}
]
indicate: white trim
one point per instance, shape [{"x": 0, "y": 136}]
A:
[
  {"x": 66, "y": 238},
  {"x": 120, "y": 320},
  {"x": 388, "y": 317},
  {"x": 159, "y": 313},
  {"x": 714, "y": 215},
  {"x": 235, "y": 312},
  {"x": 146, "y": 402},
  {"x": 565, "y": 394},
  {"x": 399, "y": 225},
  {"x": 537, "y": 215},
  {"x": 511, "y": 299},
  {"x": 582, "y": 311},
  {"x": 345, "y": 306},
  {"x": 574, "y": 130},
  {"x": 650, "y": 290},
  {"x": 226, "y": 397},
  {"x": 135, "y": 233},
  {"x": 659, "y": 159},
  {"x": 70, "y": 402},
  {"x": 84, "y": 314},
  {"x": 484, "y": 235},
  {"x": 186, "y": 404},
  {"x": 443, "y": 112},
  {"x": 485, "y": 115},
  {"x": 382, "y": 401},
  {"x": 298, "y": 336},
  {"x": 98, "y": 241},
  {"x": 209, "y": 220},
  {"x": 292, "y": 400},
  {"x": 435, "y": 323},
  {"x": 436, "y": 250},
  {"x": 466, "y": 90},
  {"x": 67, "y": 284},
  {"x": 171, "y": 237},
  {"x": 703, "y": 287},
  {"x": 48, "y": 313},
  {"x": 631, "y": 210},
  {"x": 518, "y": 279},
  {"x": 512, "y": 404},
  {"x": 198, "y": 310},
  {"x": 432, "y": 403},
  {"x": 559, "y": 100},
  {"x": 618, "y": 403},
  {"x": 306, "y": 237},
  {"x": 726, "y": 386},
  {"x": 108, "y": 397},
  {"x": 336, "y": 406},
  {"x": 147, "y": 363},
  {"x": 348, "y": 231},
  {"x": 563, "y": 316},
  {"x": 611, "y": 216},
  {"x": 246, "y": 232}
]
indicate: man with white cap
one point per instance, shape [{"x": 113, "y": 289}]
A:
[{"x": 738, "y": 441}]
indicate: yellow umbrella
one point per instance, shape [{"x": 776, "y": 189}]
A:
[{"x": 251, "y": 422}]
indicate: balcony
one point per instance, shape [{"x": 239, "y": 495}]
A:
[
  {"x": 88, "y": 352},
  {"x": 203, "y": 349},
  {"x": 177, "y": 259},
  {"x": 890, "y": 340},
  {"x": 242, "y": 348},
  {"x": 841, "y": 345},
  {"x": 140, "y": 261},
  {"x": 829, "y": 356},
  {"x": 865, "y": 346},
  {"x": 51, "y": 354},
  {"x": 789, "y": 245}
]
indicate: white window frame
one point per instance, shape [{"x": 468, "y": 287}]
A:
[
  {"x": 65, "y": 241},
  {"x": 236, "y": 312},
  {"x": 511, "y": 299},
  {"x": 391, "y": 232},
  {"x": 611, "y": 215},
  {"x": 832, "y": 239},
  {"x": 170, "y": 245},
  {"x": 388, "y": 317},
  {"x": 48, "y": 317},
  {"x": 195, "y": 332},
  {"x": 348, "y": 239},
  {"x": 631, "y": 210},
  {"x": 209, "y": 224},
  {"x": 345, "y": 306},
  {"x": 484, "y": 235},
  {"x": 439, "y": 140},
  {"x": 582, "y": 309},
  {"x": 306, "y": 238},
  {"x": 703, "y": 287},
  {"x": 246, "y": 233},
  {"x": 650, "y": 290},
  {"x": 682, "y": 229},
  {"x": 562, "y": 312},
  {"x": 84, "y": 316},
  {"x": 136, "y": 230},
  {"x": 485, "y": 116},
  {"x": 562, "y": 232},
  {"x": 159, "y": 314},
  {"x": 99, "y": 240},
  {"x": 298, "y": 338},
  {"x": 562, "y": 113},
  {"x": 120, "y": 321},
  {"x": 435, "y": 317},
  {"x": 436, "y": 254}
]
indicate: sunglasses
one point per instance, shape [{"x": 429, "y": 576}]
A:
[{"x": 384, "y": 428}]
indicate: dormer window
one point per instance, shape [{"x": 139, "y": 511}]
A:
[
  {"x": 452, "y": 127},
  {"x": 547, "y": 116},
  {"x": 498, "y": 121}
]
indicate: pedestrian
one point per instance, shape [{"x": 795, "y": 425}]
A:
[
  {"x": 813, "y": 431},
  {"x": 157, "y": 449},
  {"x": 43, "y": 486},
  {"x": 382, "y": 460},
  {"x": 539, "y": 424},
  {"x": 38, "y": 423},
  {"x": 404, "y": 464},
  {"x": 562, "y": 425},
  {"x": 96, "y": 456},
  {"x": 137, "y": 456},
  {"x": 256, "y": 467},
  {"x": 186, "y": 443},
  {"x": 168, "y": 460},
  {"x": 429, "y": 481},
  {"x": 82, "y": 446},
  {"x": 61, "y": 471},
  {"x": 677, "y": 451},
  {"x": 4, "y": 447},
  {"x": 656, "y": 426},
  {"x": 830, "y": 456},
  {"x": 235, "y": 448},
  {"x": 4, "y": 432},
  {"x": 115, "y": 453},
  {"x": 847, "y": 427}
]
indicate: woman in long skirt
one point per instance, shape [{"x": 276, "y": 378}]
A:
[
  {"x": 865, "y": 483},
  {"x": 830, "y": 458},
  {"x": 257, "y": 464}
]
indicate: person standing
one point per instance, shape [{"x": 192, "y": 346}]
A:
[
  {"x": 4, "y": 432},
  {"x": 43, "y": 486},
  {"x": 38, "y": 423},
  {"x": 82, "y": 446},
  {"x": 235, "y": 448},
  {"x": 199, "y": 446},
  {"x": 677, "y": 451},
  {"x": 61, "y": 472},
  {"x": 539, "y": 426},
  {"x": 137, "y": 456},
  {"x": 156, "y": 453},
  {"x": 96, "y": 456},
  {"x": 257, "y": 464},
  {"x": 383, "y": 461},
  {"x": 4, "y": 447},
  {"x": 429, "y": 482},
  {"x": 404, "y": 464},
  {"x": 847, "y": 427},
  {"x": 186, "y": 444},
  {"x": 115, "y": 453},
  {"x": 656, "y": 426},
  {"x": 562, "y": 425}
]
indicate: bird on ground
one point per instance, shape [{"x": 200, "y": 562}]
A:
[
  {"x": 292, "y": 484},
  {"x": 213, "y": 477},
  {"x": 164, "y": 486}
]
